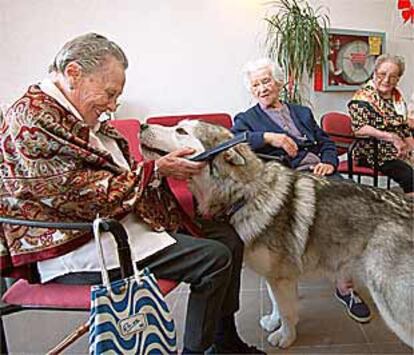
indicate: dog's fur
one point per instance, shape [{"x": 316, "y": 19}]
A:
[{"x": 293, "y": 222}]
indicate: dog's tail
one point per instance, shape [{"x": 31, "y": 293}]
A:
[{"x": 393, "y": 293}]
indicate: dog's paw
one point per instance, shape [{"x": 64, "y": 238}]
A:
[
  {"x": 270, "y": 322},
  {"x": 283, "y": 337}
]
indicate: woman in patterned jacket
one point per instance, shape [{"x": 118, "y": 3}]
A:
[
  {"x": 378, "y": 110},
  {"x": 58, "y": 163}
]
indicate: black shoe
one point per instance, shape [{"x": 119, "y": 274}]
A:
[
  {"x": 234, "y": 347},
  {"x": 355, "y": 306}
]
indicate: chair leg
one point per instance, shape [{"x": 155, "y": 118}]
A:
[
  {"x": 5, "y": 310},
  {"x": 388, "y": 183},
  {"x": 3, "y": 340}
]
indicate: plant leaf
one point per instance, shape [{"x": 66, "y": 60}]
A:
[{"x": 297, "y": 37}]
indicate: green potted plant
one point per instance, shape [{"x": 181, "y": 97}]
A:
[{"x": 297, "y": 38}]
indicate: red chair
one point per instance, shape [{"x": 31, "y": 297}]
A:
[
  {"x": 339, "y": 128},
  {"x": 180, "y": 187},
  {"x": 130, "y": 128},
  {"x": 222, "y": 119},
  {"x": 23, "y": 295}
]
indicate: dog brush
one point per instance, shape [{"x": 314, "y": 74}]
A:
[{"x": 211, "y": 153}]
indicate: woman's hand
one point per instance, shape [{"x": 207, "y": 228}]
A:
[
  {"x": 281, "y": 140},
  {"x": 395, "y": 139},
  {"x": 401, "y": 146},
  {"x": 323, "y": 169},
  {"x": 176, "y": 166}
]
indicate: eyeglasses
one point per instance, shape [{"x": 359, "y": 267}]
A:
[{"x": 392, "y": 78}]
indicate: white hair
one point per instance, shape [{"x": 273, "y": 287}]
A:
[
  {"x": 391, "y": 58},
  {"x": 277, "y": 72}
]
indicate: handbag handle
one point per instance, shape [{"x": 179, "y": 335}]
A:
[{"x": 104, "y": 272}]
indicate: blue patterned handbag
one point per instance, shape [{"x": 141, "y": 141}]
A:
[{"x": 129, "y": 316}]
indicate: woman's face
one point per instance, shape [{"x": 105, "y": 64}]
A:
[
  {"x": 97, "y": 92},
  {"x": 386, "y": 78},
  {"x": 264, "y": 87}
]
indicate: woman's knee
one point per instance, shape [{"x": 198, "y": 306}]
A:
[
  {"x": 225, "y": 234},
  {"x": 401, "y": 172},
  {"x": 406, "y": 179},
  {"x": 215, "y": 266},
  {"x": 218, "y": 253}
]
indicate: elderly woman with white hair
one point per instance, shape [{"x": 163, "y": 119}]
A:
[
  {"x": 378, "y": 110},
  {"x": 282, "y": 129},
  {"x": 278, "y": 128}
]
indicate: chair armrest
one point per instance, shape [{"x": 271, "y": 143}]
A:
[
  {"x": 375, "y": 155},
  {"x": 107, "y": 225},
  {"x": 349, "y": 136},
  {"x": 357, "y": 139},
  {"x": 349, "y": 144},
  {"x": 340, "y": 135}
]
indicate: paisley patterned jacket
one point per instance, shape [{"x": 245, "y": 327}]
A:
[{"x": 49, "y": 171}]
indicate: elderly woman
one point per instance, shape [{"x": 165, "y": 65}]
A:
[
  {"x": 59, "y": 163},
  {"x": 378, "y": 110},
  {"x": 282, "y": 129},
  {"x": 279, "y": 128}
]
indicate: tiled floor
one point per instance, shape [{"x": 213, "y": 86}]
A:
[{"x": 324, "y": 328}]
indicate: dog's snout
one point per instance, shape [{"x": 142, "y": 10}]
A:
[{"x": 144, "y": 126}]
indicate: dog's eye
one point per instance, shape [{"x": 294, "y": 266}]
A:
[{"x": 181, "y": 131}]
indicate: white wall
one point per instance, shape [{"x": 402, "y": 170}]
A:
[
  {"x": 185, "y": 55},
  {"x": 368, "y": 15}
]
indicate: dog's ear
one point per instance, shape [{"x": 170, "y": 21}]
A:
[{"x": 233, "y": 157}]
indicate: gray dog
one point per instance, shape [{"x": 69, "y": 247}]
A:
[{"x": 292, "y": 222}]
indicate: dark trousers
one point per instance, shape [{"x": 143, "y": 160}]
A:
[
  {"x": 401, "y": 172},
  {"x": 210, "y": 265}
]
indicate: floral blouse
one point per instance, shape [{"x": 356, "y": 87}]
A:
[{"x": 367, "y": 107}]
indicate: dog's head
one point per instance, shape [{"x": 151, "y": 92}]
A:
[
  {"x": 233, "y": 168},
  {"x": 157, "y": 140}
]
